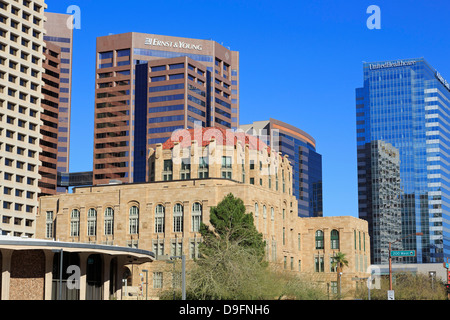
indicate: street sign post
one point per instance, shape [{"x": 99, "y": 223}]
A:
[{"x": 403, "y": 253}]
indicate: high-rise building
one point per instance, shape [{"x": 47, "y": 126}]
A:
[
  {"x": 382, "y": 208},
  {"x": 306, "y": 163},
  {"x": 405, "y": 104},
  {"x": 148, "y": 86},
  {"x": 60, "y": 33},
  {"x": 21, "y": 72},
  {"x": 49, "y": 116}
]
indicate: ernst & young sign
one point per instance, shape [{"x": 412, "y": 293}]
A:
[{"x": 172, "y": 44}]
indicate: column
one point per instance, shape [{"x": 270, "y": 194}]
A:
[
  {"x": 6, "y": 273},
  {"x": 106, "y": 275},
  {"x": 48, "y": 278},
  {"x": 83, "y": 274},
  {"x": 120, "y": 263}
]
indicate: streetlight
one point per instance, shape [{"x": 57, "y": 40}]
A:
[
  {"x": 146, "y": 282},
  {"x": 390, "y": 258},
  {"x": 183, "y": 272}
]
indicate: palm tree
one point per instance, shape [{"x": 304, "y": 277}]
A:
[{"x": 339, "y": 262}]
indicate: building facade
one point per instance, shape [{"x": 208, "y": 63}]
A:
[
  {"x": 406, "y": 104},
  {"x": 381, "y": 166},
  {"x": 59, "y": 32},
  {"x": 148, "y": 86},
  {"x": 306, "y": 163},
  {"x": 190, "y": 173},
  {"x": 50, "y": 120},
  {"x": 21, "y": 83}
]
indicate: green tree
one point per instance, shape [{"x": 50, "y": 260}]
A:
[
  {"x": 230, "y": 224},
  {"x": 339, "y": 262},
  {"x": 232, "y": 262}
]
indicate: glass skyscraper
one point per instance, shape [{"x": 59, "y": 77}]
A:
[
  {"x": 403, "y": 139},
  {"x": 306, "y": 163}
]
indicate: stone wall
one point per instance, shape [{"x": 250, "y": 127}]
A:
[{"x": 27, "y": 275}]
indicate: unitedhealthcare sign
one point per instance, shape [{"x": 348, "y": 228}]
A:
[
  {"x": 442, "y": 80},
  {"x": 399, "y": 63}
]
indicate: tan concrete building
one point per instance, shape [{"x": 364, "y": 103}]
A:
[
  {"x": 190, "y": 173},
  {"x": 21, "y": 82}
]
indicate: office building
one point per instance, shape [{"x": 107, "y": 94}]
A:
[
  {"x": 49, "y": 116},
  {"x": 306, "y": 163},
  {"x": 21, "y": 73},
  {"x": 60, "y": 33},
  {"x": 405, "y": 104},
  {"x": 190, "y": 174},
  {"x": 382, "y": 209},
  {"x": 148, "y": 86}
]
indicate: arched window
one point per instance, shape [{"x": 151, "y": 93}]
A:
[
  {"x": 196, "y": 216},
  {"x": 159, "y": 218},
  {"x": 264, "y": 212},
  {"x": 256, "y": 209},
  {"x": 92, "y": 222},
  {"x": 109, "y": 221},
  {"x": 334, "y": 239},
  {"x": 178, "y": 218},
  {"x": 75, "y": 223},
  {"x": 134, "y": 220},
  {"x": 319, "y": 239},
  {"x": 272, "y": 214}
]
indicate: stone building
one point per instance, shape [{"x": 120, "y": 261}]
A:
[{"x": 190, "y": 173}]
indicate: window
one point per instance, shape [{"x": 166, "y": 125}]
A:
[
  {"x": 176, "y": 247},
  {"x": 159, "y": 219},
  {"x": 196, "y": 216},
  {"x": 75, "y": 223},
  {"x": 333, "y": 265},
  {"x": 193, "y": 249},
  {"x": 109, "y": 221},
  {"x": 176, "y": 66},
  {"x": 158, "y": 68},
  {"x": 319, "y": 239},
  {"x": 134, "y": 220},
  {"x": 226, "y": 168},
  {"x": 319, "y": 264},
  {"x": 92, "y": 222},
  {"x": 185, "y": 172},
  {"x": 178, "y": 218},
  {"x": 256, "y": 210},
  {"x": 158, "y": 247},
  {"x": 49, "y": 225},
  {"x": 167, "y": 170},
  {"x": 157, "y": 280},
  {"x": 334, "y": 239},
  {"x": 203, "y": 168}
]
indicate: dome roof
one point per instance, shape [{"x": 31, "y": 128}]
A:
[{"x": 222, "y": 136}]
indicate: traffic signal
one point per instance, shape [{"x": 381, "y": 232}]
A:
[
  {"x": 448, "y": 276},
  {"x": 447, "y": 286}
]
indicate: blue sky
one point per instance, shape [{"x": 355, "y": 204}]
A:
[{"x": 300, "y": 62}]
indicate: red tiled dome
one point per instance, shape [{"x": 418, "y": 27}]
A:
[{"x": 222, "y": 137}]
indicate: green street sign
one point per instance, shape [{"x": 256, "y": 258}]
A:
[{"x": 403, "y": 253}]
